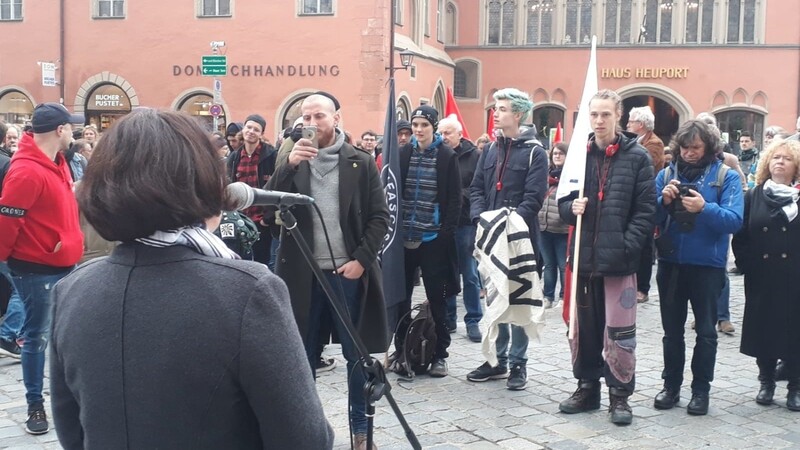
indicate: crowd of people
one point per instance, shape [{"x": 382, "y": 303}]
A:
[{"x": 151, "y": 193}]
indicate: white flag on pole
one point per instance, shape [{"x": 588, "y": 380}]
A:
[{"x": 572, "y": 176}]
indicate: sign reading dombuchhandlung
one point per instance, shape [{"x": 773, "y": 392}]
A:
[{"x": 48, "y": 74}]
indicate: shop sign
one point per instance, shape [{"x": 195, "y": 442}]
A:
[
  {"x": 258, "y": 70},
  {"x": 645, "y": 73}
]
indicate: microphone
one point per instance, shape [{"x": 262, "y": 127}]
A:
[{"x": 245, "y": 196}]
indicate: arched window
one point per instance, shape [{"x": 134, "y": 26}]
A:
[
  {"x": 450, "y": 25},
  {"x": 105, "y": 104},
  {"x": 15, "y": 107},
  {"x": 292, "y": 111},
  {"x": 699, "y": 21},
  {"x": 540, "y": 22},
  {"x": 618, "y": 21},
  {"x": 547, "y": 118},
  {"x": 439, "y": 100},
  {"x": 465, "y": 83},
  {"x": 741, "y": 21},
  {"x": 403, "y": 109},
  {"x": 578, "y": 22},
  {"x": 658, "y": 22},
  {"x": 197, "y": 105},
  {"x": 501, "y": 14},
  {"x": 398, "y": 12},
  {"x": 734, "y": 121}
]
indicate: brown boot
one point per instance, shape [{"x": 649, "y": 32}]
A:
[
  {"x": 585, "y": 398},
  {"x": 360, "y": 442}
]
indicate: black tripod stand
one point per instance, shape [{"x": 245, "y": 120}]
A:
[{"x": 376, "y": 386}]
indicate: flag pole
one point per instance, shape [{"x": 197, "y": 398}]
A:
[{"x": 573, "y": 304}]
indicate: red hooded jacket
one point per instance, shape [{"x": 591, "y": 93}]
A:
[{"x": 38, "y": 212}]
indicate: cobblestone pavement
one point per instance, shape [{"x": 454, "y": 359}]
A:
[{"x": 452, "y": 413}]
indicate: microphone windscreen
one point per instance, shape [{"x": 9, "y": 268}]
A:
[{"x": 241, "y": 195}]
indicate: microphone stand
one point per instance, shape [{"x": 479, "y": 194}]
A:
[{"x": 376, "y": 386}]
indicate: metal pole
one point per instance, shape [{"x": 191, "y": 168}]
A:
[
  {"x": 391, "y": 38},
  {"x": 215, "y": 121}
]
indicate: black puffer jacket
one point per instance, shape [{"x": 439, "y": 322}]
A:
[
  {"x": 468, "y": 156},
  {"x": 615, "y": 229}
]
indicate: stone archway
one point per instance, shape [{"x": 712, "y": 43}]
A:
[
  {"x": 669, "y": 107},
  {"x": 103, "y": 78}
]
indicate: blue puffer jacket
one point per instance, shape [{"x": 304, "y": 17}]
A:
[{"x": 707, "y": 243}]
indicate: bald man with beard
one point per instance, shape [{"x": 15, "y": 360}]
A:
[{"x": 347, "y": 188}]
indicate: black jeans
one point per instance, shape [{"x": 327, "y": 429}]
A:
[
  {"x": 679, "y": 285},
  {"x": 434, "y": 261},
  {"x": 645, "y": 266}
]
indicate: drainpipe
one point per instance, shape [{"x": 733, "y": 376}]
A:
[{"x": 62, "y": 66}]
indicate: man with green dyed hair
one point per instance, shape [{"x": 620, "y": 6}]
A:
[{"x": 511, "y": 172}]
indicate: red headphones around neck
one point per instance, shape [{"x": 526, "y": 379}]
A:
[{"x": 611, "y": 150}]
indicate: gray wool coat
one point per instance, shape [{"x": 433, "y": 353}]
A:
[{"x": 165, "y": 348}]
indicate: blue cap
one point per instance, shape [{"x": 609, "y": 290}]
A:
[{"x": 49, "y": 116}]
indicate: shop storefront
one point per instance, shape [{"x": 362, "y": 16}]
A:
[
  {"x": 105, "y": 104},
  {"x": 15, "y": 107}
]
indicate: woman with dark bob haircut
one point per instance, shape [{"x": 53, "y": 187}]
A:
[{"x": 171, "y": 342}]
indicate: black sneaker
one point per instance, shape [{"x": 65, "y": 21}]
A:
[
  {"x": 325, "y": 364},
  {"x": 486, "y": 372},
  {"x": 37, "y": 421},
  {"x": 452, "y": 326},
  {"x": 10, "y": 348},
  {"x": 518, "y": 378}
]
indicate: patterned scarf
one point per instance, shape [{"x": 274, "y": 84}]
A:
[
  {"x": 195, "y": 237},
  {"x": 782, "y": 200}
]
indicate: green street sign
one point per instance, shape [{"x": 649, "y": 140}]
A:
[
  {"x": 214, "y": 65},
  {"x": 214, "y": 71}
]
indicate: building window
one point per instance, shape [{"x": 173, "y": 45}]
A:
[
  {"x": 317, "y": 6},
  {"x": 465, "y": 81},
  {"x": 741, "y": 21},
  {"x": 439, "y": 100},
  {"x": 450, "y": 25},
  {"x": 618, "y": 21},
  {"x": 197, "y": 105},
  {"x": 292, "y": 112},
  {"x": 110, "y": 8},
  {"x": 501, "y": 22},
  {"x": 398, "y": 12},
  {"x": 578, "y": 22},
  {"x": 733, "y": 122},
  {"x": 547, "y": 118},
  {"x": 10, "y": 9},
  {"x": 439, "y": 20},
  {"x": 15, "y": 107},
  {"x": 699, "y": 21},
  {"x": 403, "y": 109},
  {"x": 213, "y": 8},
  {"x": 540, "y": 22},
  {"x": 658, "y": 22}
]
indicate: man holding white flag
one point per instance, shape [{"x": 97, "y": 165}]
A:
[{"x": 617, "y": 205}]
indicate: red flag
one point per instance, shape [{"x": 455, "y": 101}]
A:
[
  {"x": 557, "y": 137},
  {"x": 452, "y": 108},
  {"x": 490, "y": 126}
]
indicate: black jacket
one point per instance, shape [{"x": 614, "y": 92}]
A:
[
  {"x": 364, "y": 219},
  {"x": 266, "y": 163},
  {"x": 448, "y": 181},
  {"x": 614, "y": 230},
  {"x": 5, "y": 163},
  {"x": 524, "y": 180},
  {"x": 468, "y": 156}
]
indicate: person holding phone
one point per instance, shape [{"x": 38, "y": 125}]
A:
[
  {"x": 346, "y": 187},
  {"x": 696, "y": 214}
]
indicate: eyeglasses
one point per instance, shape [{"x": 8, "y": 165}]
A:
[{"x": 368, "y": 139}]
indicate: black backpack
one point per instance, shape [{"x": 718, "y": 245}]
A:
[{"x": 419, "y": 342}]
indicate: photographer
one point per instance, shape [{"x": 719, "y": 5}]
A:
[{"x": 699, "y": 205}]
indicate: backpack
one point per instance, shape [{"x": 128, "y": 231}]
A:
[
  {"x": 238, "y": 232},
  {"x": 419, "y": 342}
]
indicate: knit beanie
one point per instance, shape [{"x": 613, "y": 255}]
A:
[
  {"x": 428, "y": 113},
  {"x": 257, "y": 119}
]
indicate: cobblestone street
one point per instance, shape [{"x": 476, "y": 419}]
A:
[{"x": 452, "y": 413}]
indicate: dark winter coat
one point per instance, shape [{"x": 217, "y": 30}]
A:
[
  {"x": 468, "y": 156},
  {"x": 448, "y": 195},
  {"x": 266, "y": 163},
  {"x": 524, "y": 180},
  {"x": 364, "y": 219},
  {"x": 767, "y": 251},
  {"x": 614, "y": 230},
  {"x": 149, "y": 338}
]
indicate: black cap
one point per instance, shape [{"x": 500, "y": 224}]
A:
[
  {"x": 428, "y": 113},
  {"x": 257, "y": 119},
  {"x": 233, "y": 128},
  {"x": 403, "y": 124},
  {"x": 330, "y": 96},
  {"x": 49, "y": 116}
]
